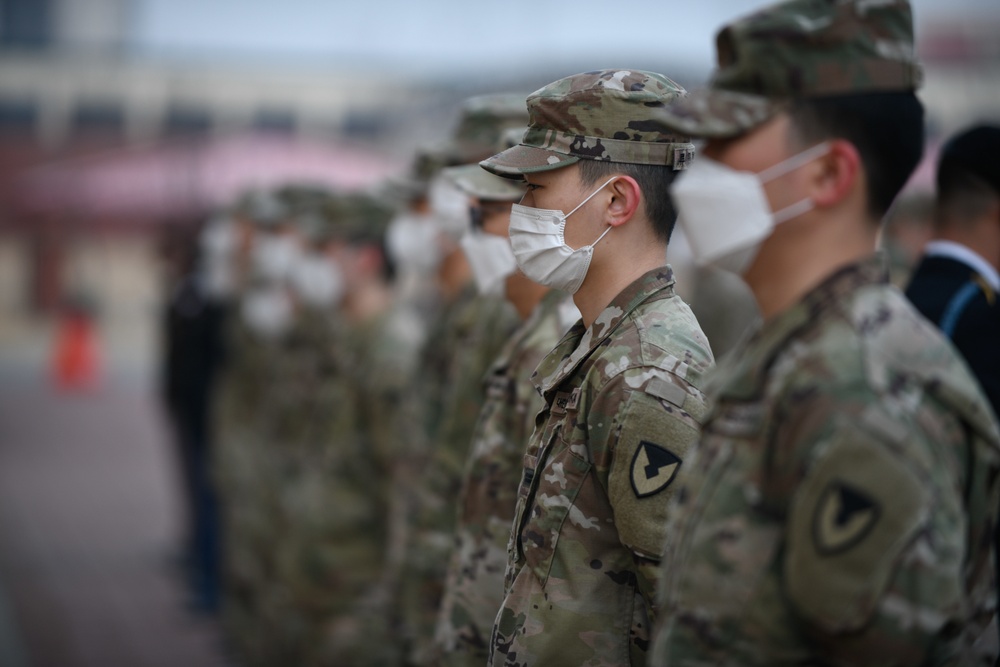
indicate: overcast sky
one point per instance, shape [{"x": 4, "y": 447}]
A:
[{"x": 462, "y": 36}]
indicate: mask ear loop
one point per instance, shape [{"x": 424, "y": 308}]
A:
[
  {"x": 794, "y": 162},
  {"x": 787, "y": 166},
  {"x": 605, "y": 233},
  {"x": 590, "y": 196}
]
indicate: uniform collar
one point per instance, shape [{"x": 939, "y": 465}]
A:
[
  {"x": 579, "y": 342},
  {"x": 742, "y": 373},
  {"x": 967, "y": 256}
]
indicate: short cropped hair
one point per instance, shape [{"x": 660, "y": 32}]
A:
[
  {"x": 654, "y": 182},
  {"x": 887, "y": 129}
]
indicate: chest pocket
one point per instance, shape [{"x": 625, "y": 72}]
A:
[{"x": 549, "y": 489}]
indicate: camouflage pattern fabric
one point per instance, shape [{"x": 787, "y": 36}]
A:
[
  {"x": 841, "y": 505},
  {"x": 330, "y": 541},
  {"x": 568, "y": 120},
  {"x": 800, "y": 49},
  {"x": 482, "y": 121},
  {"x": 387, "y": 358},
  {"x": 622, "y": 408},
  {"x": 473, "y": 589},
  {"x": 241, "y": 422},
  {"x": 473, "y": 333},
  {"x": 360, "y": 633}
]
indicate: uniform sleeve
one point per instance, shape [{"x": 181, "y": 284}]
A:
[
  {"x": 656, "y": 424},
  {"x": 876, "y": 541},
  {"x": 839, "y": 533}
]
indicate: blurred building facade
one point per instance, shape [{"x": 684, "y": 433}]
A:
[
  {"x": 76, "y": 101},
  {"x": 66, "y": 70}
]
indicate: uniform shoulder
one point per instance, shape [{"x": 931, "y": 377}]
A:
[
  {"x": 669, "y": 337},
  {"x": 876, "y": 344}
]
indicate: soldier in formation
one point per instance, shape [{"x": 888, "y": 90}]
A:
[
  {"x": 468, "y": 419},
  {"x": 840, "y": 507}
]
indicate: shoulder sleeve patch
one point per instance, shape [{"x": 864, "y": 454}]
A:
[
  {"x": 653, "y": 468},
  {"x": 856, "y": 511},
  {"x": 654, "y": 440}
]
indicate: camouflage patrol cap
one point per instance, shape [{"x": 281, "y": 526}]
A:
[
  {"x": 415, "y": 181},
  {"x": 613, "y": 115},
  {"x": 801, "y": 49},
  {"x": 471, "y": 179},
  {"x": 482, "y": 121},
  {"x": 360, "y": 217},
  {"x": 315, "y": 227},
  {"x": 265, "y": 209}
]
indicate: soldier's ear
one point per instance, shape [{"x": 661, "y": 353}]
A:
[
  {"x": 625, "y": 198},
  {"x": 836, "y": 175}
]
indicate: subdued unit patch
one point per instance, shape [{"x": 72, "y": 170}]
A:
[{"x": 653, "y": 469}]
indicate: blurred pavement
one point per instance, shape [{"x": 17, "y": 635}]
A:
[{"x": 88, "y": 523}]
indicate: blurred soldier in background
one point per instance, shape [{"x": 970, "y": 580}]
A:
[
  {"x": 371, "y": 352},
  {"x": 262, "y": 313},
  {"x": 448, "y": 392},
  {"x": 621, "y": 397},
  {"x": 840, "y": 507},
  {"x": 957, "y": 282},
  {"x": 310, "y": 421},
  {"x": 473, "y": 588}
]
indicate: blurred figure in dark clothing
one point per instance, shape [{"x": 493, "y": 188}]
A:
[
  {"x": 192, "y": 354},
  {"x": 956, "y": 284}
]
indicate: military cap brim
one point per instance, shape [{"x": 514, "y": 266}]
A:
[
  {"x": 472, "y": 180},
  {"x": 720, "y": 114},
  {"x": 519, "y": 160}
]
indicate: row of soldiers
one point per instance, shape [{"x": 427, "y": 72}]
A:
[{"x": 483, "y": 426}]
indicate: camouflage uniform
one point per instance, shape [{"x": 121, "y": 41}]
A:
[
  {"x": 324, "y": 494},
  {"x": 473, "y": 589},
  {"x": 621, "y": 409},
  {"x": 622, "y": 404},
  {"x": 840, "y": 506},
  {"x": 822, "y": 517},
  {"x": 473, "y": 331},
  {"x": 440, "y": 413},
  {"x": 244, "y": 419}
]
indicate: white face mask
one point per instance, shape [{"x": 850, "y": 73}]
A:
[
  {"x": 318, "y": 281},
  {"x": 274, "y": 255},
  {"x": 412, "y": 243},
  {"x": 450, "y": 206},
  {"x": 217, "y": 277},
  {"x": 219, "y": 237},
  {"x": 491, "y": 259},
  {"x": 539, "y": 244},
  {"x": 267, "y": 311},
  {"x": 725, "y": 213}
]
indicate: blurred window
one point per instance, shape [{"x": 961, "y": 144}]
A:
[
  {"x": 105, "y": 118},
  {"x": 187, "y": 121},
  {"x": 274, "y": 121},
  {"x": 365, "y": 125},
  {"x": 18, "y": 116},
  {"x": 25, "y": 23}
]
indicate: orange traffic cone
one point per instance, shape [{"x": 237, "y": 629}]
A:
[{"x": 76, "y": 362}]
